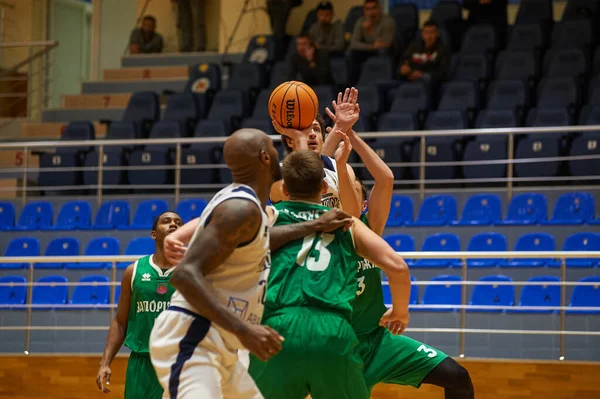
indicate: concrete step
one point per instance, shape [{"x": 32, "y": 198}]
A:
[
  {"x": 167, "y": 72},
  {"x": 130, "y": 86},
  {"x": 68, "y": 115},
  {"x": 53, "y": 130},
  {"x": 172, "y": 59},
  {"x": 86, "y": 101}
]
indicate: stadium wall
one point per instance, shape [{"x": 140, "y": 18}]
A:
[{"x": 71, "y": 377}]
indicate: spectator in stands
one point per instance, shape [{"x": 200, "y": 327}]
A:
[
  {"x": 373, "y": 33},
  {"x": 488, "y": 12},
  {"x": 192, "y": 23},
  {"x": 309, "y": 65},
  {"x": 279, "y": 12},
  {"x": 427, "y": 58},
  {"x": 145, "y": 39},
  {"x": 327, "y": 34}
]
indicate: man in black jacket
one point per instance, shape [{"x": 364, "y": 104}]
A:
[
  {"x": 427, "y": 58},
  {"x": 279, "y": 12},
  {"x": 309, "y": 64}
]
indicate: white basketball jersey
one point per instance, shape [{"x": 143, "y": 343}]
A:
[
  {"x": 241, "y": 281},
  {"x": 331, "y": 198}
]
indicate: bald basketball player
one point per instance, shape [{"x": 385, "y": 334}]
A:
[{"x": 221, "y": 283}]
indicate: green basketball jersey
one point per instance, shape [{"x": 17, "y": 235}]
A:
[
  {"x": 368, "y": 306},
  {"x": 150, "y": 295},
  {"x": 318, "y": 271}
]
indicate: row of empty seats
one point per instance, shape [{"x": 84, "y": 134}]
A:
[
  {"x": 442, "y": 242},
  {"x": 496, "y": 294},
  {"x": 573, "y": 208},
  {"x": 94, "y": 290}
]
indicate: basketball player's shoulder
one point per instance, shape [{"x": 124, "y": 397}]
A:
[
  {"x": 329, "y": 163},
  {"x": 236, "y": 219}
]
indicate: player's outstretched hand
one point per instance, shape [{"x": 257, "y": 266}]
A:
[
  {"x": 262, "y": 341},
  {"x": 345, "y": 148},
  {"x": 103, "y": 379},
  {"x": 395, "y": 321},
  {"x": 333, "y": 220},
  {"x": 174, "y": 250},
  {"x": 347, "y": 110}
]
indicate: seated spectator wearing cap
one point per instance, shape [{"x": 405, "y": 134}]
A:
[
  {"x": 145, "y": 39},
  {"x": 427, "y": 58},
  {"x": 373, "y": 33},
  {"x": 327, "y": 34},
  {"x": 309, "y": 64}
]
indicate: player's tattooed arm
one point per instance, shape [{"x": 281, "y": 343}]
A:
[
  {"x": 231, "y": 224},
  {"x": 116, "y": 332},
  {"x": 329, "y": 221}
]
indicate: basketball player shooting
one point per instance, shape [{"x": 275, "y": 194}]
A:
[{"x": 221, "y": 284}]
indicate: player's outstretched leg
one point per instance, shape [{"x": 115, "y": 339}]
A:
[{"x": 453, "y": 377}]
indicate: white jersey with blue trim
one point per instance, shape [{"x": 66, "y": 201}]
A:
[
  {"x": 241, "y": 281},
  {"x": 331, "y": 198}
]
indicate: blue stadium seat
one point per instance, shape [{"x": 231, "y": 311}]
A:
[
  {"x": 401, "y": 243},
  {"x": 448, "y": 294},
  {"x": 61, "y": 246},
  {"x": 486, "y": 242},
  {"x": 143, "y": 109},
  {"x": 204, "y": 78},
  {"x": 278, "y": 74},
  {"x": 190, "y": 209},
  {"x": 410, "y": 97},
  {"x": 141, "y": 246},
  {"x": 145, "y": 214},
  {"x": 572, "y": 208},
  {"x": 78, "y": 130},
  {"x": 586, "y": 296},
  {"x": 526, "y": 37},
  {"x": 541, "y": 145},
  {"x": 35, "y": 215},
  {"x": 247, "y": 76},
  {"x": 445, "y": 11},
  {"x": 203, "y": 154},
  {"x": 376, "y": 70},
  {"x": 406, "y": 17},
  {"x": 442, "y": 242},
  {"x": 100, "y": 246},
  {"x": 580, "y": 9},
  {"x": 401, "y": 211},
  {"x": 14, "y": 294},
  {"x": 582, "y": 242},
  {"x": 112, "y": 158},
  {"x": 533, "y": 242},
  {"x": 387, "y": 296},
  {"x": 73, "y": 215},
  {"x": 112, "y": 215},
  {"x": 507, "y": 95},
  {"x": 471, "y": 67},
  {"x": 493, "y": 294},
  {"x": 479, "y": 39},
  {"x": 459, "y": 96},
  {"x": 354, "y": 14},
  {"x": 539, "y": 295},
  {"x": 21, "y": 246},
  {"x": 557, "y": 93},
  {"x": 512, "y": 65},
  {"x": 534, "y": 12},
  {"x": 50, "y": 294},
  {"x": 261, "y": 49},
  {"x": 565, "y": 63},
  {"x": 325, "y": 94},
  {"x": 266, "y": 125},
  {"x": 261, "y": 105},
  {"x": 91, "y": 294},
  {"x": 436, "y": 210},
  {"x": 481, "y": 210},
  {"x": 57, "y": 168},
  {"x": 586, "y": 143},
  {"x": 567, "y": 34},
  {"x": 390, "y": 148},
  {"x": 186, "y": 108},
  {"x": 229, "y": 106},
  {"x": 530, "y": 208},
  {"x": 7, "y": 216},
  {"x": 370, "y": 99},
  {"x": 339, "y": 65}
]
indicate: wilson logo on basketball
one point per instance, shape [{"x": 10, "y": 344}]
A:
[{"x": 290, "y": 112}]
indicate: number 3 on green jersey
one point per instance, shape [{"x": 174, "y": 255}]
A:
[{"x": 315, "y": 253}]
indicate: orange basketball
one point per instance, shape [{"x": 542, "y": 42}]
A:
[{"x": 293, "y": 104}]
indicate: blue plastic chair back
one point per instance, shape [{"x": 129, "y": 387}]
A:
[
  {"x": 190, "y": 209},
  {"x": 530, "y": 208},
  {"x": 147, "y": 211},
  {"x": 50, "y": 294},
  {"x": 112, "y": 214},
  {"x": 586, "y": 295},
  {"x": 449, "y": 294},
  {"x": 574, "y": 208},
  {"x": 12, "y": 295},
  {"x": 7, "y": 215},
  {"x": 540, "y": 295},
  {"x": 486, "y": 242},
  {"x": 438, "y": 210},
  {"x": 482, "y": 209},
  {"x": 493, "y": 294},
  {"x": 582, "y": 242},
  {"x": 22, "y": 246},
  {"x": 91, "y": 294},
  {"x": 442, "y": 242},
  {"x": 35, "y": 215},
  {"x": 74, "y": 215},
  {"x": 401, "y": 211},
  {"x": 138, "y": 246}
]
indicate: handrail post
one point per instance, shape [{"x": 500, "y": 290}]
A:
[
  {"x": 422, "y": 155},
  {"x": 24, "y": 183},
  {"x": 29, "y": 300},
  {"x": 563, "y": 292},
  {"x": 177, "y": 172},
  {"x": 113, "y": 290},
  {"x": 463, "y": 310},
  {"x": 100, "y": 172},
  {"x": 510, "y": 167}
]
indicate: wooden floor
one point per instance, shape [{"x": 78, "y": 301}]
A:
[{"x": 69, "y": 377}]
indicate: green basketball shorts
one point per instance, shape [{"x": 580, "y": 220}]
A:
[{"x": 140, "y": 378}]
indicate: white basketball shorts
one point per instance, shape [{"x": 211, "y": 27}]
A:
[{"x": 192, "y": 361}]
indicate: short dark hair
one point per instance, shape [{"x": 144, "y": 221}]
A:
[
  {"x": 372, "y": 1},
  {"x": 363, "y": 188},
  {"x": 303, "y": 174},
  {"x": 321, "y": 122},
  {"x": 430, "y": 23},
  {"x": 325, "y": 6},
  {"x": 155, "y": 223},
  {"x": 304, "y": 36},
  {"x": 150, "y": 18}
]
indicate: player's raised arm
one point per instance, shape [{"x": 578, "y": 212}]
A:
[
  {"x": 348, "y": 196},
  {"x": 374, "y": 248},
  {"x": 116, "y": 332},
  {"x": 232, "y": 223}
]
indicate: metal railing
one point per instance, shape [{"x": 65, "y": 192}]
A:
[
  {"x": 463, "y": 307},
  {"x": 180, "y": 143}
]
